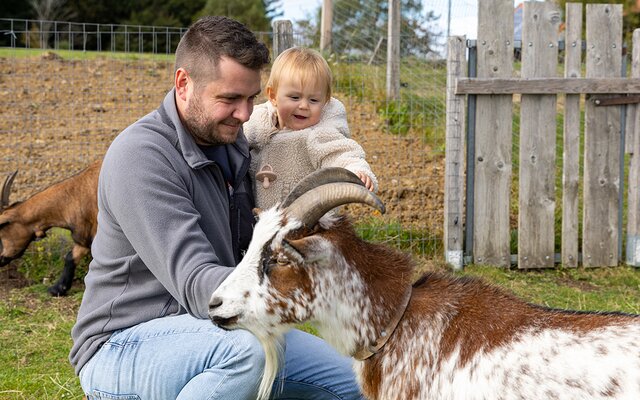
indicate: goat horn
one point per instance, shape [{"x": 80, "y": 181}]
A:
[
  {"x": 6, "y": 189},
  {"x": 319, "y": 178},
  {"x": 313, "y": 204}
]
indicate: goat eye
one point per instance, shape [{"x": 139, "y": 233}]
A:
[{"x": 282, "y": 259}]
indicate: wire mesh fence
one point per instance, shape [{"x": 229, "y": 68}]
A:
[{"x": 67, "y": 89}]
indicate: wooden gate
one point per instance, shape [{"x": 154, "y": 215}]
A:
[{"x": 602, "y": 94}]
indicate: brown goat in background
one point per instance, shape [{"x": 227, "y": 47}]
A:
[{"x": 70, "y": 204}]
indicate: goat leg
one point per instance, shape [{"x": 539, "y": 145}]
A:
[
  {"x": 63, "y": 284},
  {"x": 71, "y": 261}
]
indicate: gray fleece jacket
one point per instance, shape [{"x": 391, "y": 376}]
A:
[
  {"x": 291, "y": 155},
  {"x": 169, "y": 229}
]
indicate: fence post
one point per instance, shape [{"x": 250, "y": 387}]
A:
[
  {"x": 454, "y": 192},
  {"x": 493, "y": 160},
  {"x": 326, "y": 26},
  {"x": 633, "y": 215},
  {"x": 571, "y": 137},
  {"x": 393, "y": 51},
  {"x": 282, "y": 36},
  {"x": 602, "y": 140}
]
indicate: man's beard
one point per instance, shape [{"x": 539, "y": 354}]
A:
[{"x": 204, "y": 131}]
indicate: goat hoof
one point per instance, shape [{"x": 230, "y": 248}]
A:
[{"x": 57, "y": 290}]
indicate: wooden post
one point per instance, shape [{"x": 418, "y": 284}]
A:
[
  {"x": 326, "y": 25},
  {"x": 536, "y": 193},
  {"x": 633, "y": 128},
  {"x": 282, "y": 36},
  {"x": 455, "y": 154},
  {"x": 602, "y": 140},
  {"x": 493, "y": 162},
  {"x": 571, "y": 137},
  {"x": 393, "y": 51}
]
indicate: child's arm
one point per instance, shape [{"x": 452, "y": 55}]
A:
[
  {"x": 260, "y": 125},
  {"x": 329, "y": 148}
]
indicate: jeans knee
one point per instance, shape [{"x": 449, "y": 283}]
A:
[{"x": 251, "y": 353}]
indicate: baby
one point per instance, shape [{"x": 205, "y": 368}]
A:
[{"x": 300, "y": 129}]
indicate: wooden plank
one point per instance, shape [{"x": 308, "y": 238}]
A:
[
  {"x": 454, "y": 154},
  {"x": 493, "y": 158},
  {"x": 602, "y": 140},
  {"x": 571, "y": 137},
  {"x": 633, "y": 205},
  {"x": 536, "y": 193},
  {"x": 546, "y": 86}
]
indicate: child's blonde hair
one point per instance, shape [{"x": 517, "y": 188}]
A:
[{"x": 304, "y": 64}]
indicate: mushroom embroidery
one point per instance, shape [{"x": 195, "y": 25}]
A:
[{"x": 266, "y": 175}]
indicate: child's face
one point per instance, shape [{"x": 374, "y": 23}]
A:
[{"x": 298, "y": 107}]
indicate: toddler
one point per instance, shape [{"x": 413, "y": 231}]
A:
[{"x": 300, "y": 129}]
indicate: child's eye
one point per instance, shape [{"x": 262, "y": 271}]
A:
[
  {"x": 294, "y": 97},
  {"x": 313, "y": 100}
]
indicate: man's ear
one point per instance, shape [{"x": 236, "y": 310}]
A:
[{"x": 182, "y": 82}]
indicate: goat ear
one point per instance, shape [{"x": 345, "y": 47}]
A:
[{"x": 300, "y": 246}]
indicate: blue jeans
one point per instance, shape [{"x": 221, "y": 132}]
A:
[{"x": 181, "y": 357}]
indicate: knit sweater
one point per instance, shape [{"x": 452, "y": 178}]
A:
[{"x": 291, "y": 155}]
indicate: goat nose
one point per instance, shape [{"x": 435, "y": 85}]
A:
[{"x": 215, "y": 302}]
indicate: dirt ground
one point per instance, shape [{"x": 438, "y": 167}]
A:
[{"x": 57, "y": 115}]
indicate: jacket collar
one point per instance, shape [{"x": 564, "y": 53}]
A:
[{"x": 195, "y": 158}]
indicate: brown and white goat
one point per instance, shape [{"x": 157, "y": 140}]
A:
[
  {"x": 441, "y": 337},
  {"x": 71, "y": 204}
]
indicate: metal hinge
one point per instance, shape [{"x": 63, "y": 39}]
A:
[{"x": 616, "y": 100}]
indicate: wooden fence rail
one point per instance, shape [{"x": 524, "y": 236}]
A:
[{"x": 539, "y": 86}]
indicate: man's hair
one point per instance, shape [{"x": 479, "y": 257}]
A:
[
  {"x": 212, "y": 37},
  {"x": 304, "y": 64}
]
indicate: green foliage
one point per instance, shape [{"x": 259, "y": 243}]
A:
[
  {"x": 418, "y": 110},
  {"x": 419, "y": 242},
  {"x": 44, "y": 259},
  {"x": 363, "y": 22},
  {"x": 256, "y": 14},
  {"x": 414, "y": 112},
  {"x": 178, "y": 13}
]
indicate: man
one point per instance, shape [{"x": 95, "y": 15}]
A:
[{"x": 174, "y": 202}]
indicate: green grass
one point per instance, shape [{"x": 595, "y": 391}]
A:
[
  {"x": 596, "y": 289},
  {"x": 84, "y": 55},
  {"x": 35, "y": 328}
]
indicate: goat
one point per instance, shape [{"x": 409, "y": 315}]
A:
[
  {"x": 440, "y": 337},
  {"x": 71, "y": 204}
]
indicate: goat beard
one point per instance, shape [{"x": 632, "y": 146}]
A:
[{"x": 273, "y": 346}]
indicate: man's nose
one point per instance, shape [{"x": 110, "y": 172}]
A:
[{"x": 243, "y": 112}]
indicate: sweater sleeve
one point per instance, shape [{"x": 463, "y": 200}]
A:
[
  {"x": 329, "y": 143},
  {"x": 260, "y": 126},
  {"x": 152, "y": 218}
]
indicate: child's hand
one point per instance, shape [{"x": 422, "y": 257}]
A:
[{"x": 368, "y": 183}]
